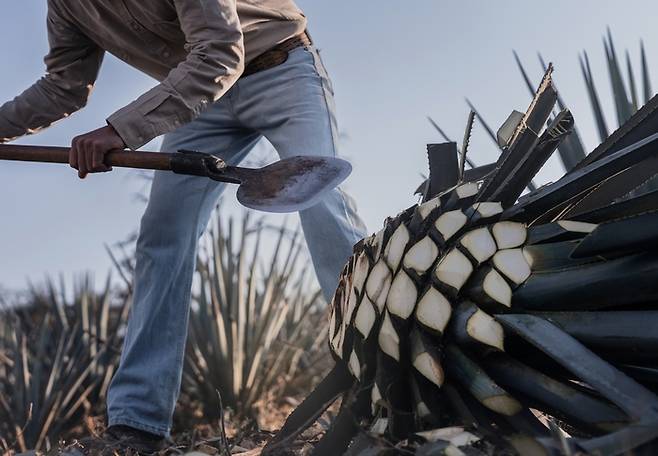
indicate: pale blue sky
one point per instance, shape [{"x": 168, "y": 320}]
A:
[{"x": 392, "y": 64}]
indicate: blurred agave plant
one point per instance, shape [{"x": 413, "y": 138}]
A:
[
  {"x": 254, "y": 325},
  {"x": 57, "y": 357}
]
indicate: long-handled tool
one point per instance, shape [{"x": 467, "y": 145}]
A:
[{"x": 289, "y": 185}]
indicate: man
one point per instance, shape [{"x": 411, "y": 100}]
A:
[{"x": 230, "y": 72}]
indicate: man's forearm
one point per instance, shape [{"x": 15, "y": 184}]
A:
[{"x": 38, "y": 107}]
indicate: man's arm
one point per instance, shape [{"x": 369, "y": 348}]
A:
[
  {"x": 214, "y": 63},
  {"x": 72, "y": 66}
]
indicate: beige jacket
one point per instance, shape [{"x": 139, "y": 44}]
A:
[{"x": 197, "y": 49}]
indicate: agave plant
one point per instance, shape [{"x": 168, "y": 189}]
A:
[
  {"x": 255, "y": 324},
  {"x": 477, "y": 307},
  {"x": 627, "y": 99},
  {"x": 57, "y": 358}
]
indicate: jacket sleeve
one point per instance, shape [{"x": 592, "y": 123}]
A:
[
  {"x": 72, "y": 65},
  {"x": 214, "y": 62}
]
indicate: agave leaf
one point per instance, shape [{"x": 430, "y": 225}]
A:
[
  {"x": 593, "y": 97},
  {"x": 524, "y": 74},
  {"x": 59, "y": 362},
  {"x": 616, "y": 81},
  {"x": 646, "y": 80},
  {"x": 488, "y": 129},
  {"x": 571, "y": 150},
  {"x": 467, "y": 139},
  {"x": 252, "y": 306},
  {"x": 469, "y": 162},
  {"x": 631, "y": 80},
  {"x": 439, "y": 129}
]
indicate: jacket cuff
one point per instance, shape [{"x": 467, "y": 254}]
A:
[{"x": 132, "y": 127}]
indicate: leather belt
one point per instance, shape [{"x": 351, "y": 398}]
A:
[{"x": 277, "y": 55}]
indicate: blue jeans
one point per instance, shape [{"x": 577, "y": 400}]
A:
[{"x": 292, "y": 106}]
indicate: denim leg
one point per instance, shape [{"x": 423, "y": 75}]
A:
[
  {"x": 145, "y": 388},
  {"x": 292, "y": 105}
]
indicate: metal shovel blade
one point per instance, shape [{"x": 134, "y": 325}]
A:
[{"x": 292, "y": 184}]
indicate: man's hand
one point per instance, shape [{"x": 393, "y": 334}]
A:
[{"x": 88, "y": 151}]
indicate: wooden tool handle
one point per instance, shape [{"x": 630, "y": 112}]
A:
[{"x": 122, "y": 158}]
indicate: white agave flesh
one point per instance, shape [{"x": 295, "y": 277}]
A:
[
  {"x": 332, "y": 324},
  {"x": 509, "y": 235},
  {"x": 395, "y": 247},
  {"x": 577, "y": 227},
  {"x": 421, "y": 256},
  {"x": 361, "y": 270},
  {"x": 427, "y": 207},
  {"x": 344, "y": 296},
  {"x": 402, "y": 296},
  {"x": 354, "y": 365},
  {"x": 429, "y": 367},
  {"x": 340, "y": 338},
  {"x": 388, "y": 339},
  {"x": 449, "y": 223},
  {"x": 375, "y": 398},
  {"x": 503, "y": 404},
  {"x": 434, "y": 310},
  {"x": 378, "y": 284},
  {"x": 336, "y": 344},
  {"x": 377, "y": 243},
  {"x": 512, "y": 264},
  {"x": 456, "y": 435},
  {"x": 496, "y": 288},
  {"x": 527, "y": 254},
  {"x": 422, "y": 410},
  {"x": 483, "y": 328},
  {"x": 488, "y": 209},
  {"x": 454, "y": 269},
  {"x": 379, "y": 427},
  {"x": 351, "y": 306},
  {"x": 467, "y": 190},
  {"x": 365, "y": 317},
  {"x": 480, "y": 244}
]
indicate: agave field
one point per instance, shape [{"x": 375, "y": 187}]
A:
[{"x": 255, "y": 335}]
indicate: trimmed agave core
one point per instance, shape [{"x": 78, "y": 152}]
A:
[
  {"x": 477, "y": 307},
  {"x": 421, "y": 287}
]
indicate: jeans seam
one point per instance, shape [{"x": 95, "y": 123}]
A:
[{"x": 334, "y": 134}]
